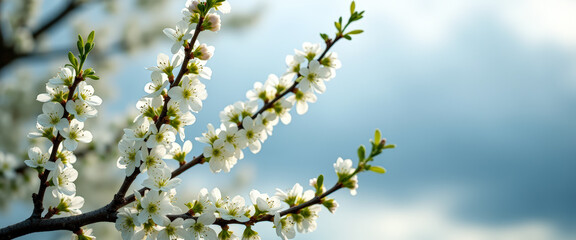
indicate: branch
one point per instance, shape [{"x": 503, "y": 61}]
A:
[{"x": 72, "y": 5}]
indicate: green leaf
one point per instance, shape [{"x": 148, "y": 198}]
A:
[
  {"x": 348, "y": 37},
  {"x": 390, "y": 146},
  {"x": 72, "y": 59},
  {"x": 352, "y": 7},
  {"x": 324, "y": 36},
  {"x": 377, "y": 169},
  {"x": 320, "y": 181},
  {"x": 358, "y": 31},
  {"x": 93, "y": 77},
  {"x": 377, "y": 136},
  {"x": 80, "y": 43},
  {"x": 338, "y": 26},
  {"x": 91, "y": 37},
  {"x": 361, "y": 153}
]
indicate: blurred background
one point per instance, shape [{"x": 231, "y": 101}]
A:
[{"x": 478, "y": 95}]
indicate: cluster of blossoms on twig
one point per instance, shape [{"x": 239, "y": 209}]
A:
[
  {"x": 68, "y": 101},
  {"x": 174, "y": 95}
]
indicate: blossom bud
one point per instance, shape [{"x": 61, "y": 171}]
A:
[
  {"x": 212, "y": 22},
  {"x": 204, "y": 52}
]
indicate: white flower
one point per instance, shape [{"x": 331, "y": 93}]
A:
[
  {"x": 282, "y": 109},
  {"x": 203, "y": 52},
  {"x": 223, "y": 7},
  {"x": 66, "y": 204},
  {"x": 63, "y": 178},
  {"x": 86, "y": 235},
  {"x": 344, "y": 169},
  {"x": 212, "y": 22},
  {"x": 294, "y": 65},
  {"x": 86, "y": 94},
  {"x": 236, "y": 112},
  {"x": 179, "y": 153},
  {"x": 172, "y": 230},
  {"x": 306, "y": 219},
  {"x": 55, "y": 93},
  {"x": 39, "y": 159},
  {"x": 221, "y": 156},
  {"x": 65, "y": 77},
  {"x": 47, "y": 132},
  {"x": 301, "y": 100},
  {"x": 229, "y": 133},
  {"x": 314, "y": 77},
  {"x": 310, "y": 51},
  {"x": 156, "y": 205},
  {"x": 152, "y": 157},
  {"x": 64, "y": 156},
  {"x": 164, "y": 137},
  {"x": 209, "y": 136},
  {"x": 292, "y": 196},
  {"x": 149, "y": 107},
  {"x": 261, "y": 92},
  {"x": 139, "y": 132},
  {"x": 128, "y": 150},
  {"x": 73, "y": 133},
  {"x": 179, "y": 35},
  {"x": 265, "y": 204},
  {"x": 331, "y": 62},
  {"x": 199, "y": 229},
  {"x": 126, "y": 222},
  {"x": 80, "y": 109},
  {"x": 190, "y": 94},
  {"x": 159, "y": 179},
  {"x": 284, "y": 227},
  {"x": 252, "y": 134},
  {"x": 234, "y": 209},
  {"x": 164, "y": 65},
  {"x": 159, "y": 83},
  {"x": 52, "y": 113},
  {"x": 196, "y": 67},
  {"x": 250, "y": 234}
]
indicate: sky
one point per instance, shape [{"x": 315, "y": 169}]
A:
[{"x": 478, "y": 96}]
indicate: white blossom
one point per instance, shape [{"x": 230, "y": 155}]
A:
[
  {"x": 80, "y": 110},
  {"x": 199, "y": 229},
  {"x": 314, "y": 77},
  {"x": 63, "y": 178},
  {"x": 160, "y": 179},
  {"x": 264, "y": 203},
  {"x": 179, "y": 35},
  {"x": 128, "y": 150},
  {"x": 156, "y": 205},
  {"x": 73, "y": 133},
  {"x": 52, "y": 113},
  {"x": 65, "y": 77},
  {"x": 126, "y": 223},
  {"x": 190, "y": 94},
  {"x": 86, "y": 94},
  {"x": 39, "y": 159},
  {"x": 284, "y": 227}
]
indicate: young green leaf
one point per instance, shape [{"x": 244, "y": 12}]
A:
[
  {"x": 352, "y": 7},
  {"x": 361, "y": 153},
  {"x": 91, "y": 37},
  {"x": 377, "y": 169},
  {"x": 377, "y": 136},
  {"x": 358, "y": 31}
]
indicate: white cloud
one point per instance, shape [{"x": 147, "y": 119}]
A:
[
  {"x": 431, "y": 218},
  {"x": 432, "y": 22}
]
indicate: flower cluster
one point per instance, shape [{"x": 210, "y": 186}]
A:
[
  {"x": 68, "y": 102},
  {"x": 173, "y": 97},
  {"x": 244, "y": 125}
]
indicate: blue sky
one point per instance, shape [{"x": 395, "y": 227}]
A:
[{"x": 479, "y": 97}]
